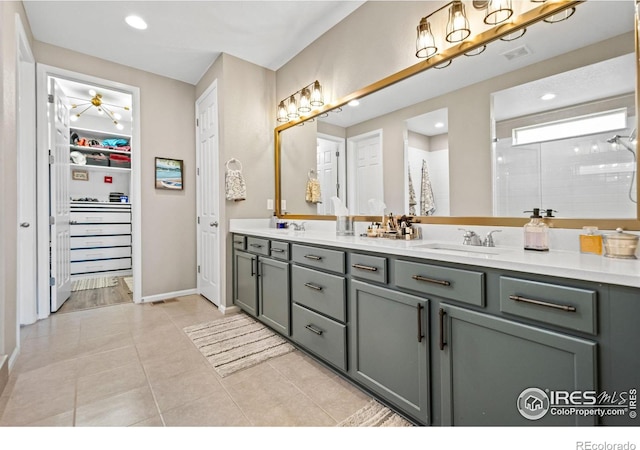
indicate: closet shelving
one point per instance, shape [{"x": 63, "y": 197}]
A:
[{"x": 99, "y": 136}]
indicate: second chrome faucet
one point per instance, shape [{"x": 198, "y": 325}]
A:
[{"x": 472, "y": 238}]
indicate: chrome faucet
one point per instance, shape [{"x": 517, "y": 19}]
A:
[
  {"x": 470, "y": 237},
  {"x": 488, "y": 241},
  {"x": 297, "y": 226}
]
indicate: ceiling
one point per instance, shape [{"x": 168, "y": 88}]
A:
[{"x": 184, "y": 38}]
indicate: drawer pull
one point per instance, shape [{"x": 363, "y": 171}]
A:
[
  {"x": 238, "y": 242},
  {"x": 431, "y": 280},
  {"x": 314, "y": 257},
  {"x": 420, "y": 335},
  {"x": 442, "y": 343},
  {"x": 256, "y": 245},
  {"x": 314, "y": 329},
  {"x": 517, "y": 298},
  {"x": 313, "y": 286},
  {"x": 277, "y": 250},
  {"x": 360, "y": 266}
]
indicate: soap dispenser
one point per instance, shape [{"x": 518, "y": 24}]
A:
[{"x": 536, "y": 233}]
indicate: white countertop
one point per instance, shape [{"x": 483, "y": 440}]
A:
[{"x": 558, "y": 263}]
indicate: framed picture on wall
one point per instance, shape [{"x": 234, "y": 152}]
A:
[
  {"x": 169, "y": 174},
  {"x": 80, "y": 175}
]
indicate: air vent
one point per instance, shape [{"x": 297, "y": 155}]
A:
[{"x": 517, "y": 53}]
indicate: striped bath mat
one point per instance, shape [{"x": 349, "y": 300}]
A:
[
  {"x": 236, "y": 342},
  {"x": 93, "y": 283}
]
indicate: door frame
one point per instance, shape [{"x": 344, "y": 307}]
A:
[
  {"x": 25, "y": 141},
  {"x": 341, "y": 162},
  {"x": 43, "y": 73},
  {"x": 222, "y": 227}
]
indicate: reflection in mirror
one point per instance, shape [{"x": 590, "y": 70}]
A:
[
  {"x": 596, "y": 32},
  {"x": 555, "y": 145},
  {"x": 427, "y": 157}
]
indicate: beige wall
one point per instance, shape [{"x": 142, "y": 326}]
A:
[
  {"x": 245, "y": 98},
  {"x": 8, "y": 181},
  {"x": 167, "y": 121}
]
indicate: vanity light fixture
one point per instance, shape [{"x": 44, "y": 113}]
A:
[
  {"x": 498, "y": 11},
  {"x": 562, "y": 15},
  {"x": 300, "y": 103},
  {"x": 101, "y": 108},
  {"x": 458, "y": 25}
]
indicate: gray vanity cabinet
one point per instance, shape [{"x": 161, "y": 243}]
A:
[
  {"x": 389, "y": 346},
  {"x": 261, "y": 283},
  {"x": 245, "y": 294},
  {"x": 273, "y": 294},
  {"x": 487, "y": 362}
]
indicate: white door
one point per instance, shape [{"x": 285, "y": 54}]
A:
[
  {"x": 208, "y": 208},
  {"x": 27, "y": 249},
  {"x": 365, "y": 181},
  {"x": 327, "y": 173},
  {"x": 59, "y": 202}
]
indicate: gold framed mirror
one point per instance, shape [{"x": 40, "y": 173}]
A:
[{"x": 466, "y": 215}]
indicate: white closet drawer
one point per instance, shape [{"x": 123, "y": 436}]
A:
[
  {"x": 100, "y": 217},
  {"x": 100, "y": 266},
  {"x": 100, "y": 241},
  {"x": 100, "y": 230},
  {"x": 87, "y": 254}
]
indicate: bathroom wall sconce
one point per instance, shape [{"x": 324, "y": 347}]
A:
[
  {"x": 459, "y": 25},
  {"x": 300, "y": 103}
]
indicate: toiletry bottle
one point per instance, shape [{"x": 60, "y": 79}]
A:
[
  {"x": 536, "y": 233},
  {"x": 274, "y": 221},
  {"x": 591, "y": 242}
]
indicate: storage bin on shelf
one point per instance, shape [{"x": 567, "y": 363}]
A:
[
  {"x": 122, "y": 161},
  {"x": 97, "y": 160}
]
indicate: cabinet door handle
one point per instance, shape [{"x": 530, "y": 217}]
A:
[
  {"x": 517, "y": 298},
  {"x": 360, "y": 266},
  {"x": 277, "y": 250},
  {"x": 420, "y": 335},
  {"x": 253, "y": 270},
  {"x": 314, "y": 257},
  {"x": 442, "y": 343},
  {"x": 314, "y": 329},
  {"x": 431, "y": 280},
  {"x": 255, "y": 245},
  {"x": 313, "y": 286}
]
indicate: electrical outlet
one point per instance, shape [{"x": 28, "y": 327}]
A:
[
  {"x": 283, "y": 205},
  {"x": 270, "y": 204}
]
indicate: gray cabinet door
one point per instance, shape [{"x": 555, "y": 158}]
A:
[
  {"x": 488, "y": 363},
  {"x": 389, "y": 346},
  {"x": 245, "y": 289},
  {"x": 273, "y": 290}
]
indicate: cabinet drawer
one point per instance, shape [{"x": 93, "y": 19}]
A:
[
  {"x": 564, "y": 306},
  {"x": 324, "y": 337},
  {"x": 100, "y": 241},
  {"x": 100, "y": 217},
  {"x": 100, "y": 230},
  {"x": 372, "y": 268},
  {"x": 258, "y": 246},
  {"x": 319, "y": 291},
  {"x": 100, "y": 266},
  {"x": 279, "y": 250},
  {"x": 88, "y": 254},
  {"x": 320, "y": 258},
  {"x": 463, "y": 285},
  {"x": 239, "y": 242}
]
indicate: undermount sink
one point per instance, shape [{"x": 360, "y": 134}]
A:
[{"x": 460, "y": 248}]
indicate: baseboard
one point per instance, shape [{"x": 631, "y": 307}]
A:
[
  {"x": 167, "y": 295},
  {"x": 228, "y": 309},
  {"x": 4, "y": 372}
]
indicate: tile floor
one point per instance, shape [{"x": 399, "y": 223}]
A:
[{"x": 132, "y": 365}]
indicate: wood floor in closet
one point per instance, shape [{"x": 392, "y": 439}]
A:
[{"x": 96, "y": 298}]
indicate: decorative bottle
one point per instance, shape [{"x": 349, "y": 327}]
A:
[{"x": 536, "y": 233}]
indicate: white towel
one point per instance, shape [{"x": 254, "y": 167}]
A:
[{"x": 234, "y": 185}]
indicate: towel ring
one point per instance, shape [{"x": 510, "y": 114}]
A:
[{"x": 231, "y": 161}]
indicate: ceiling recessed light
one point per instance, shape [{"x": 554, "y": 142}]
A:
[
  {"x": 136, "y": 22},
  {"x": 438, "y": 125},
  {"x": 548, "y": 96},
  {"x": 354, "y": 103}
]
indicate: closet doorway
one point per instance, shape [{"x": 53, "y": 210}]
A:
[{"x": 89, "y": 211}]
